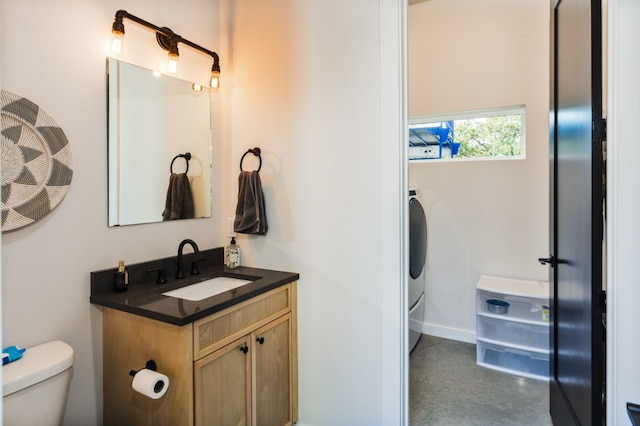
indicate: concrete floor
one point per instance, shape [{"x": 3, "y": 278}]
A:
[{"x": 447, "y": 388}]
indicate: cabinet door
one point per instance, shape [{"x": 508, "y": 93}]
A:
[
  {"x": 222, "y": 386},
  {"x": 272, "y": 380}
]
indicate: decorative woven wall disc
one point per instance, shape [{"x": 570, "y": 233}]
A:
[{"x": 37, "y": 162}]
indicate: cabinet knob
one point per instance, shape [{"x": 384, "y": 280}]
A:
[
  {"x": 244, "y": 349},
  {"x": 260, "y": 340}
]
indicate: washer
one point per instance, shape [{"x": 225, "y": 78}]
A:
[{"x": 417, "y": 260}]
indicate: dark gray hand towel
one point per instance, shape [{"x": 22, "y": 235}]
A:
[
  {"x": 179, "y": 203},
  {"x": 251, "y": 217}
]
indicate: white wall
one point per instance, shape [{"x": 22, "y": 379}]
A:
[
  {"x": 623, "y": 207},
  {"x": 53, "y": 53},
  {"x": 315, "y": 90},
  {"x": 483, "y": 217},
  {"x": 318, "y": 86}
]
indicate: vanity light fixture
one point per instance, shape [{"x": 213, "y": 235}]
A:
[
  {"x": 214, "y": 81},
  {"x": 118, "y": 34},
  {"x": 116, "y": 42},
  {"x": 173, "y": 56},
  {"x": 167, "y": 39}
]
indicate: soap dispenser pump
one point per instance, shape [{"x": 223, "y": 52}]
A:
[{"x": 232, "y": 254}]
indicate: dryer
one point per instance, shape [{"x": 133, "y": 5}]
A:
[{"x": 417, "y": 261}]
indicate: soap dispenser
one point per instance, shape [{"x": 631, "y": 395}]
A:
[
  {"x": 232, "y": 254},
  {"x": 122, "y": 277}
]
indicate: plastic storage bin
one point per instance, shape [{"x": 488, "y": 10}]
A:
[
  {"x": 517, "y": 341},
  {"x": 535, "y": 336},
  {"x": 508, "y": 359},
  {"x": 524, "y": 309}
]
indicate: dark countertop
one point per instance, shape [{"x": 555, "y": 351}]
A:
[{"x": 143, "y": 296}]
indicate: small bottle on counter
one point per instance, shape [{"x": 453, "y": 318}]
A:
[
  {"x": 122, "y": 277},
  {"x": 232, "y": 254}
]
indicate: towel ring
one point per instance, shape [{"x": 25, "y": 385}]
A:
[
  {"x": 255, "y": 151},
  {"x": 186, "y": 156}
]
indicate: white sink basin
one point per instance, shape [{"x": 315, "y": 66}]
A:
[{"x": 208, "y": 288}]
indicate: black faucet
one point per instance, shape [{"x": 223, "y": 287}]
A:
[{"x": 180, "y": 268}]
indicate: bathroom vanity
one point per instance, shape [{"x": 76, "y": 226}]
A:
[{"x": 230, "y": 358}]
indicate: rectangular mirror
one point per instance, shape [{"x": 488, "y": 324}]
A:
[{"x": 153, "y": 120}]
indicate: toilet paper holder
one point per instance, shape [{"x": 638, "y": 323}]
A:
[
  {"x": 149, "y": 382},
  {"x": 151, "y": 365}
]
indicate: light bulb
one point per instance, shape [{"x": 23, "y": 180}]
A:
[
  {"x": 117, "y": 42},
  {"x": 214, "y": 82},
  {"x": 196, "y": 87},
  {"x": 173, "y": 63}
]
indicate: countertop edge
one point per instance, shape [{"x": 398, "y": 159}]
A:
[{"x": 269, "y": 280}]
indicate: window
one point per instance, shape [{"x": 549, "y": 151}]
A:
[{"x": 482, "y": 134}]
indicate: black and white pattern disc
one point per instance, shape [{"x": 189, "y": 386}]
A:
[{"x": 37, "y": 162}]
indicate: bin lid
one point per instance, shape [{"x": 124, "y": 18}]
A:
[
  {"x": 514, "y": 286},
  {"x": 38, "y": 363}
]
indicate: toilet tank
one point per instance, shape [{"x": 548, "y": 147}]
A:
[{"x": 35, "y": 387}]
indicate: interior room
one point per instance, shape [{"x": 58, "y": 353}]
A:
[
  {"x": 321, "y": 88},
  {"x": 287, "y": 86},
  {"x": 489, "y": 215}
]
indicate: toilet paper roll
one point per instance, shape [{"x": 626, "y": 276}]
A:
[{"x": 150, "y": 383}]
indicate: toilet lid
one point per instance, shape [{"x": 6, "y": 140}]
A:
[{"x": 38, "y": 363}]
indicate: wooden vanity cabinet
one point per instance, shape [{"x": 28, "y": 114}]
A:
[
  {"x": 223, "y": 386},
  {"x": 241, "y": 368},
  {"x": 247, "y": 382},
  {"x": 271, "y": 386}
]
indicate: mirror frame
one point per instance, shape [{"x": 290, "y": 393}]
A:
[{"x": 153, "y": 119}]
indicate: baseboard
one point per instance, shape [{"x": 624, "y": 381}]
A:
[{"x": 449, "y": 333}]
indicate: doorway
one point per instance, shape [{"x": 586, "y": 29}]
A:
[{"x": 488, "y": 216}]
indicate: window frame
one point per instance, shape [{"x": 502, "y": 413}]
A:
[{"x": 469, "y": 115}]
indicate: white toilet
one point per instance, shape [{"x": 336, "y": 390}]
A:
[{"x": 35, "y": 387}]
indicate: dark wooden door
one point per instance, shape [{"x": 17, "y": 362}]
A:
[{"x": 577, "y": 343}]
